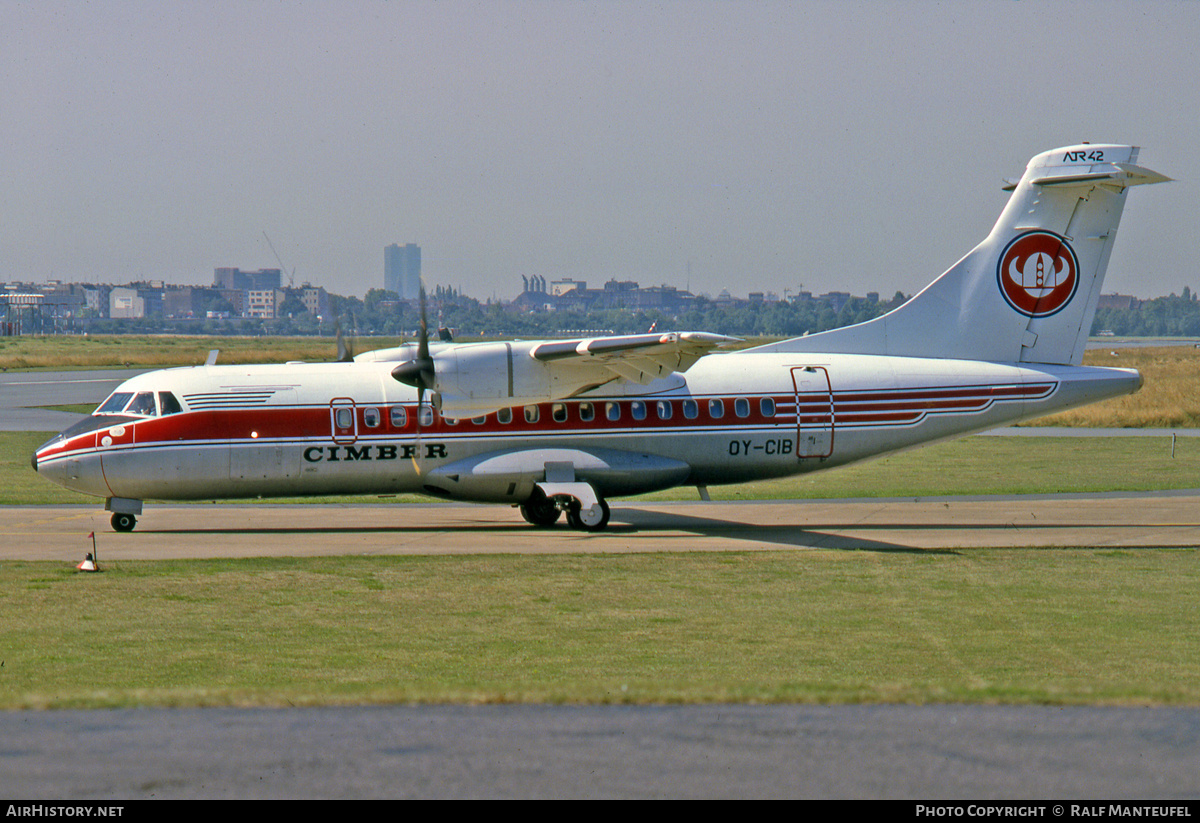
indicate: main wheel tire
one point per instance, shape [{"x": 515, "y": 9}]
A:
[
  {"x": 591, "y": 521},
  {"x": 123, "y": 522},
  {"x": 540, "y": 511}
]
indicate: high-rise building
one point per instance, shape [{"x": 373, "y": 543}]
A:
[
  {"x": 234, "y": 278},
  {"x": 402, "y": 270}
]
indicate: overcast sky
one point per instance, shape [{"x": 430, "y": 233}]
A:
[{"x": 829, "y": 146}]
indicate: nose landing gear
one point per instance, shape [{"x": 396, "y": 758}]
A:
[
  {"x": 123, "y": 522},
  {"x": 124, "y": 512}
]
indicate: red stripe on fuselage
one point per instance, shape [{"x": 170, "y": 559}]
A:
[{"x": 878, "y": 408}]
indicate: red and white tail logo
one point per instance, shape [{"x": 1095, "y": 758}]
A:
[{"x": 1038, "y": 273}]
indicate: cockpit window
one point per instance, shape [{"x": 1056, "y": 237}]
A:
[
  {"x": 115, "y": 402},
  {"x": 168, "y": 403},
  {"x": 143, "y": 404}
]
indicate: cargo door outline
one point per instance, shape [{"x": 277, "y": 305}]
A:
[
  {"x": 814, "y": 411},
  {"x": 257, "y": 460}
]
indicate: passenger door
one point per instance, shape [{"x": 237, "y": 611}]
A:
[{"x": 814, "y": 411}]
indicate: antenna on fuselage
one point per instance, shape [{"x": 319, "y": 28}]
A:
[{"x": 212, "y": 357}]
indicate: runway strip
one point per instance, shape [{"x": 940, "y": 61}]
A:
[{"x": 1168, "y": 519}]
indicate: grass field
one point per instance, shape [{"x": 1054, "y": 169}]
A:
[
  {"x": 1169, "y": 398},
  {"x": 162, "y": 351},
  {"x": 994, "y": 626}
]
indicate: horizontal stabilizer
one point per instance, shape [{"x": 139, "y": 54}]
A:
[{"x": 1120, "y": 174}]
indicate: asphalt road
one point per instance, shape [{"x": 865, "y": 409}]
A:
[
  {"x": 23, "y": 393},
  {"x": 861, "y": 752}
]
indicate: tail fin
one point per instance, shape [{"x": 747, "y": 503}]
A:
[{"x": 1028, "y": 292}]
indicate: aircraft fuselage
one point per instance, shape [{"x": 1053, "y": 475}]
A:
[{"x": 348, "y": 428}]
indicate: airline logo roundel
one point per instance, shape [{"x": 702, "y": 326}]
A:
[{"x": 1038, "y": 273}]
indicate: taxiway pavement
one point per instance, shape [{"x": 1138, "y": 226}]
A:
[{"x": 1128, "y": 520}]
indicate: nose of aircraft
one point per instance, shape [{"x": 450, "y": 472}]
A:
[
  {"x": 70, "y": 459},
  {"x": 36, "y": 457},
  {"x": 41, "y": 462}
]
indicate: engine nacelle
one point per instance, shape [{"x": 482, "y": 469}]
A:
[{"x": 477, "y": 378}]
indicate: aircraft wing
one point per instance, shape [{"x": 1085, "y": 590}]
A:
[
  {"x": 637, "y": 357},
  {"x": 469, "y": 379}
]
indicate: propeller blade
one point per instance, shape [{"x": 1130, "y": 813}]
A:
[
  {"x": 421, "y": 372},
  {"x": 420, "y": 414},
  {"x": 345, "y": 352},
  {"x": 418, "y": 372},
  {"x": 423, "y": 342}
]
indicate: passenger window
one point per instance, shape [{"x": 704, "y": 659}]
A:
[
  {"x": 115, "y": 403},
  {"x": 343, "y": 418},
  {"x": 531, "y": 414},
  {"x": 716, "y": 409},
  {"x": 479, "y": 421},
  {"x": 767, "y": 406},
  {"x": 664, "y": 410},
  {"x": 450, "y": 421},
  {"x": 586, "y": 412},
  {"x": 690, "y": 409},
  {"x": 741, "y": 407},
  {"x": 504, "y": 416},
  {"x": 399, "y": 417},
  {"x": 612, "y": 411},
  {"x": 168, "y": 404},
  {"x": 638, "y": 409},
  {"x": 371, "y": 418},
  {"x": 143, "y": 404},
  {"x": 426, "y": 416},
  {"x": 559, "y": 412}
]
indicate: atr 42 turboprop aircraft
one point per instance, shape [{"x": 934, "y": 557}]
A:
[{"x": 563, "y": 425}]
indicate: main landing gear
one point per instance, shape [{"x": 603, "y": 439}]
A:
[
  {"x": 592, "y": 519},
  {"x": 543, "y": 510}
]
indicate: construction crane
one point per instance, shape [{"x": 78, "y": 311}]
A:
[{"x": 292, "y": 274}]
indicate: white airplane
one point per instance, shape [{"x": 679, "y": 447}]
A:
[{"x": 564, "y": 425}]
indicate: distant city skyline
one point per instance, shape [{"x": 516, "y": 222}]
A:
[{"x": 830, "y": 146}]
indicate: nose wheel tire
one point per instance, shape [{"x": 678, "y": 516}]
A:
[{"x": 123, "y": 522}]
